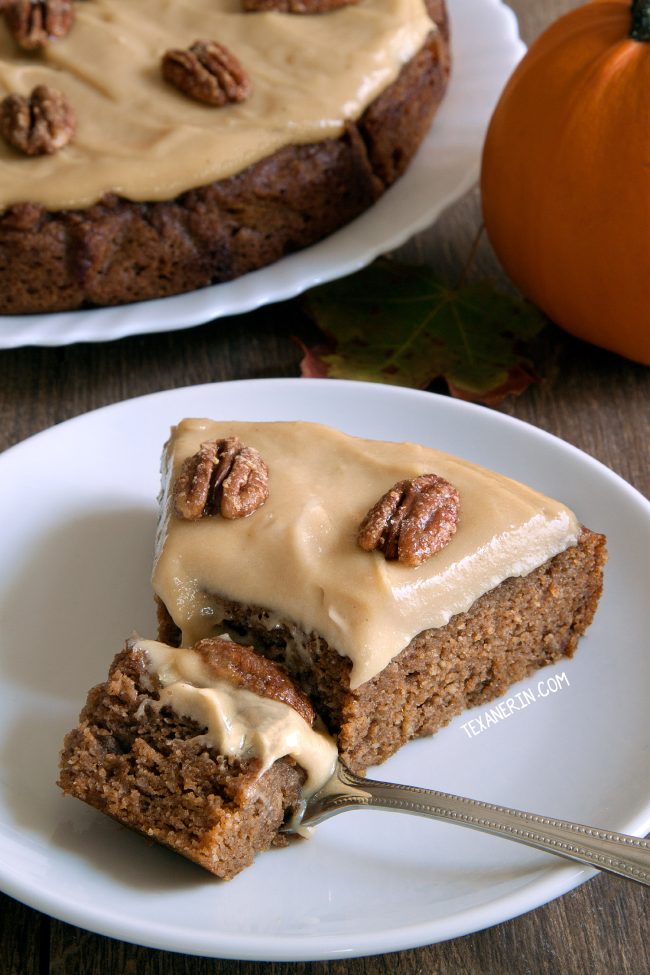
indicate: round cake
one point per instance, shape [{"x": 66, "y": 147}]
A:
[{"x": 152, "y": 147}]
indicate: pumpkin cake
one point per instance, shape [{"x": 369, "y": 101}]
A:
[
  {"x": 396, "y": 584},
  {"x": 205, "y": 750},
  {"x": 149, "y": 148}
]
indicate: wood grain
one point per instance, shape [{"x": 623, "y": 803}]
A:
[{"x": 595, "y": 400}]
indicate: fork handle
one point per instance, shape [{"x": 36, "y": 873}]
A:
[{"x": 617, "y": 853}]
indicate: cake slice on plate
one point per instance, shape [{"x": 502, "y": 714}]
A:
[{"x": 397, "y": 585}]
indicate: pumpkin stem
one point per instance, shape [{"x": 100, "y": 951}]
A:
[{"x": 640, "y": 28}]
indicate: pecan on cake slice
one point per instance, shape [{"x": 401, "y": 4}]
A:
[
  {"x": 223, "y": 477},
  {"x": 412, "y": 521},
  {"x": 244, "y": 668}
]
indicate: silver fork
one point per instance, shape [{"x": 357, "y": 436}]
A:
[{"x": 626, "y": 856}]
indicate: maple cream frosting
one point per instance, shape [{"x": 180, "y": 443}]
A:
[
  {"x": 297, "y": 555},
  {"x": 238, "y": 723},
  {"x": 141, "y": 138}
]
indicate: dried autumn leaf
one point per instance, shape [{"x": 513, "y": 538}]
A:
[{"x": 400, "y": 324}]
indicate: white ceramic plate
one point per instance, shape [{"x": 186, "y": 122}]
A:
[
  {"x": 79, "y": 516},
  {"x": 485, "y": 49}
]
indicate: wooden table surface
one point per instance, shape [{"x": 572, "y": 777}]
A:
[{"x": 593, "y": 399}]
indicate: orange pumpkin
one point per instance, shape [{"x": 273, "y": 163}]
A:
[{"x": 566, "y": 175}]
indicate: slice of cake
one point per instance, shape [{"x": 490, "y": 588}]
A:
[
  {"x": 398, "y": 585},
  {"x": 205, "y": 750}
]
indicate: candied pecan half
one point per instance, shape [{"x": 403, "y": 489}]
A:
[
  {"x": 223, "y": 477},
  {"x": 296, "y": 6},
  {"x": 34, "y": 23},
  {"x": 207, "y": 72},
  {"x": 38, "y": 125},
  {"x": 245, "y": 668},
  {"x": 412, "y": 521}
]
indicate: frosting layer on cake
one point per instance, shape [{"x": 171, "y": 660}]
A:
[
  {"x": 239, "y": 724},
  {"x": 139, "y": 137},
  {"x": 297, "y": 555}
]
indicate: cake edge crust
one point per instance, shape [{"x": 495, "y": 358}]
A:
[{"x": 508, "y": 633}]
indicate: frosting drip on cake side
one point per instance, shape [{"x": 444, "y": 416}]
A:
[
  {"x": 139, "y": 137},
  {"x": 239, "y": 724},
  {"x": 297, "y": 555}
]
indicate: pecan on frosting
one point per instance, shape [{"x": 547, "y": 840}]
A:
[
  {"x": 223, "y": 477},
  {"x": 412, "y": 521},
  {"x": 242, "y": 667},
  {"x": 38, "y": 125},
  {"x": 34, "y": 23},
  {"x": 208, "y": 72}
]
